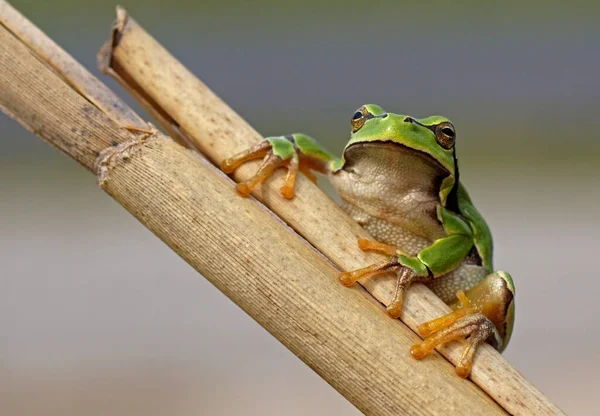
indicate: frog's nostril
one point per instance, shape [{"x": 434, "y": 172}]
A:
[{"x": 408, "y": 119}]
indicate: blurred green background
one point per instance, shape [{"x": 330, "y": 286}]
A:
[{"x": 97, "y": 316}]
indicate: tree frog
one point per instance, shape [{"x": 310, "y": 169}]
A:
[{"x": 398, "y": 178}]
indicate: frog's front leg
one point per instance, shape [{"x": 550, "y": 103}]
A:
[
  {"x": 407, "y": 270},
  {"x": 483, "y": 313},
  {"x": 441, "y": 257},
  {"x": 296, "y": 152}
]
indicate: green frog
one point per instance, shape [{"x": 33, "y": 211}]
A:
[{"x": 398, "y": 178}]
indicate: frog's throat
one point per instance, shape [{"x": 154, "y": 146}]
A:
[{"x": 448, "y": 183}]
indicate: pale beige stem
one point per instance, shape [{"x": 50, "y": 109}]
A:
[
  {"x": 65, "y": 66},
  {"x": 43, "y": 103}
]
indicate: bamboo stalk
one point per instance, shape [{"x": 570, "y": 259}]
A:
[
  {"x": 218, "y": 132},
  {"x": 261, "y": 264}
]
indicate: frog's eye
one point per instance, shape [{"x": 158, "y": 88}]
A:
[
  {"x": 358, "y": 119},
  {"x": 445, "y": 134}
]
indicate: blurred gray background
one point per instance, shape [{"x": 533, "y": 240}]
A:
[{"x": 99, "y": 317}]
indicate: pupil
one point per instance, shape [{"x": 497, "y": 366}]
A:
[
  {"x": 448, "y": 132},
  {"x": 357, "y": 115}
]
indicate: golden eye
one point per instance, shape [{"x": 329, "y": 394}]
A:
[
  {"x": 445, "y": 135},
  {"x": 358, "y": 119}
]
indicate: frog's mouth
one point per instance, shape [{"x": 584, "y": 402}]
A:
[{"x": 391, "y": 153}]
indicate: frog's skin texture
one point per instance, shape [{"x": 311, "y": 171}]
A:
[{"x": 398, "y": 178}]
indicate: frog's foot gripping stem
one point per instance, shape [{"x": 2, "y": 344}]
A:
[
  {"x": 373, "y": 245},
  {"x": 349, "y": 278},
  {"x": 276, "y": 152},
  {"x": 464, "y": 323},
  {"x": 405, "y": 276},
  {"x": 270, "y": 163}
]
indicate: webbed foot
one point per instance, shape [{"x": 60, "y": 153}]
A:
[
  {"x": 464, "y": 323},
  {"x": 270, "y": 162},
  {"x": 291, "y": 152},
  {"x": 405, "y": 275}
]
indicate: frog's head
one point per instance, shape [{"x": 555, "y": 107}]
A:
[{"x": 433, "y": 136}]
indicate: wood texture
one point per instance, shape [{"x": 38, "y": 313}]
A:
[
  {"x": 43, "y": 103},
  {"x": 65, "y": 66},
  {"x": 219, "y": 132}
]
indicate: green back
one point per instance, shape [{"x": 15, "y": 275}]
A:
[{"x": 482, "y": 236}]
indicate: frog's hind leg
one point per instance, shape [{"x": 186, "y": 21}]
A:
[
  {"x": 485, "y": 314},
  {"x": 475, "y": 326},
  {"x": 431, "y": 327}
]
